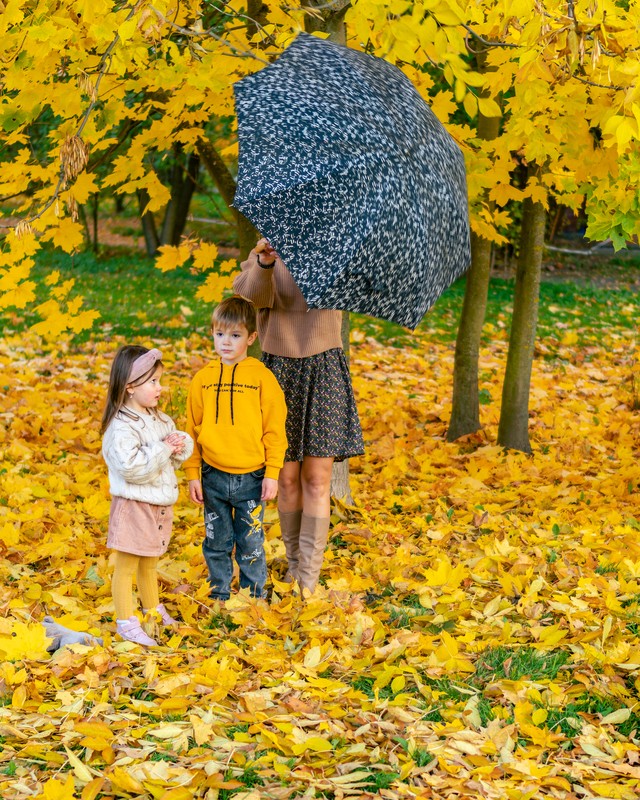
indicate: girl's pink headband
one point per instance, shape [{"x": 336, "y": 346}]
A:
[{"x": 143, "y": 364}]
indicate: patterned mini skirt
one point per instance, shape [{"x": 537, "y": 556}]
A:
[{"x": 322, "y": 418}]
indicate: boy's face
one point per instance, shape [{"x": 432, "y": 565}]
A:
[{"x": 231, "y": 343}]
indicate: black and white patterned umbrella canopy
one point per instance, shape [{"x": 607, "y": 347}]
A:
[{"x": 350, "y": 176}]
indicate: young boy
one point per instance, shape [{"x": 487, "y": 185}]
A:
[{"x": 236, "y": 416}]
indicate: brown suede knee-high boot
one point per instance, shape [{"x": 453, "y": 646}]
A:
[
  {"x": 314, "y": 532},
  {"x": 290, "y": 530}
]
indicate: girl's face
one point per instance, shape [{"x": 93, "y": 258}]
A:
[{"x": 145, "y": 395}]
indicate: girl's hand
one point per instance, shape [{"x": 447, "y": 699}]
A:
[
  {"x": 176, "y": 442},
  {"x": 269, "y": 489}
]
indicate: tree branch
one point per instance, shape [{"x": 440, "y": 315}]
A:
[{"x": 101, "y": 70}]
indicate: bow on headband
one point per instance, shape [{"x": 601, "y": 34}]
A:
[{"x": 143, "y": 364}]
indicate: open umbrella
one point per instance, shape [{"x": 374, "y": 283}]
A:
[{"x": 348, "y": 173}]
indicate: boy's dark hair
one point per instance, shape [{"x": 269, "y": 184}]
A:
[{"x": 234, "y": 311}]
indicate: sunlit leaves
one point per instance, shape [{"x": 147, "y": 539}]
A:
[
  {"x": 218, "y": 284},
  {"x": 479, "y": 615},
  {"x": 172, "y": 257},
  {"x": 19, "y": 641},
  {"x": 557, "y": 82}
]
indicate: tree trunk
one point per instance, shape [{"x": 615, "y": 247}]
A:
[
  {"x": 513, "y": 430},
  {"x": 340, "y": 488},
  {"x": 149, "y": 231},
  {"x": 183, "y": 184},
  {"x": 95, "y": 208},
  {"x": 257, "y": 11},
  {"x": 329, "y": 18},
  {"x": 465, "y": 412},
  {"x": 217, "y": 169}
]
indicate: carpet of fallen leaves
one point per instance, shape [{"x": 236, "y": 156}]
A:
[{"x": 476, "y": 636}]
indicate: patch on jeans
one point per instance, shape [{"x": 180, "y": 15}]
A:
[
  {"x": 209, "y": 518},
  {"x": 252, "y": 556}
]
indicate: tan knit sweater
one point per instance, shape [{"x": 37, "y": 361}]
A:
[{"x": 286, "y": 326}]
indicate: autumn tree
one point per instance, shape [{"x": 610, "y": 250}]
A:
[
  {"x": 465, "y": 411},
  {"x": 559, "y": 78},
  {"x": 564, "y": 73}
]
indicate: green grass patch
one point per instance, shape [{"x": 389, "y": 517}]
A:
[
  {"x": 570, "y": 719},
  {"x": 588, "y": 310},
  {"x": 137, "y": 301},
  {"x": 517, "y": 663},
  {"x": 380, "y": 779},
  {"x": 249, "y": 777},
  {"x": 162, "y": 756},
  {"x": 223, "y": 622}
]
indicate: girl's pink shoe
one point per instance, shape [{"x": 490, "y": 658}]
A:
[
  {"x": 131, "y": 630},
  {"x": 164, "y": 616}
]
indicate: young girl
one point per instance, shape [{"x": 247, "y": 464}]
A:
[{"x": 141, "y": 447}]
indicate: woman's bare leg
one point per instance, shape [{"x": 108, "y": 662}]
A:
[
  {"x": 290, "y": 513},
  {"x": 315, "y": 480},
  {"x": 289, "y": 487}
]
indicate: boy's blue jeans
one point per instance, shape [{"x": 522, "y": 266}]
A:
[{"x": 233, "y": 513}]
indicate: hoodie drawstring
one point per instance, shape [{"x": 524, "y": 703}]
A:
[
  {"x": 219, "y": 387},
  {"x": 233, "y": 375},
  {"x": 218, "y": 391}
]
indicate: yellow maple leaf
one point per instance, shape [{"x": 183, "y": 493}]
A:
[
  {"x": 214, "y": 288},
  {"x": 14, "y": 291},
  {"x": 205, "y": 256},
  {"x": 172, "y": 257},
  {"x": 444, "y": 575},
  {"x": 24, "y": 640},
  {"x": 67, "y": 234},
  {"x": 317, "y": 744},
  {"x": 54, "y": 789},
  {"x": 83, "y": 186}
]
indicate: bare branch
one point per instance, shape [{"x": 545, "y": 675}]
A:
[
  {"x": 485, "y": 42},
  {"x": 194, "y": 33}
]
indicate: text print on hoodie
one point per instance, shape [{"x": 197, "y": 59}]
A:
[{"x": 236, "y": 416}]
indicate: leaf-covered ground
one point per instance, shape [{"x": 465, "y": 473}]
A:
[{"x": 476, "y": 634}]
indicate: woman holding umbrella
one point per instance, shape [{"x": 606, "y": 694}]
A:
[{"x": 303, "y": 348}]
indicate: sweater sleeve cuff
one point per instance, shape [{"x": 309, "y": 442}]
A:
[
  {"x": 272, "y": 472},
  {"x": 193, "y": 474}
]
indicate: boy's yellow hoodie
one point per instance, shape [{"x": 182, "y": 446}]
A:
[{"x": 236, "y": 417}]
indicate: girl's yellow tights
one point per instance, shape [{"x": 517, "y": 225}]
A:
[{"x": 146, "y": 567}]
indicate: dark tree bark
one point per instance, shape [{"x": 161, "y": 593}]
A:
[
  {"x": 219, "y": 172},
  {"x": 465, "y": 412},
  {"x": 257, "y": 13},
  {"x": 149, "y": 230},
  {"x": 95, "y": 208},
  {"x": 340, "y": 487},
  {"x": 513, "y": 430},
  {"x": 183, "y": 184},
  {"x": 328, "y": 18}
]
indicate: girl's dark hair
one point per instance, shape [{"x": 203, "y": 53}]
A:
[{"x": 119, "y": 380}]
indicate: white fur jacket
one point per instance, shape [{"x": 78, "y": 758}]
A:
[{"x": 141, "y": 466}]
